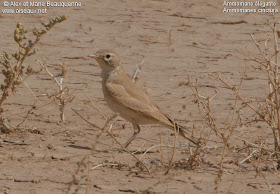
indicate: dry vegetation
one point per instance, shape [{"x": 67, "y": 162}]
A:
[
  {"x": 266, "y": 110},
  {"x": 14, "y": 70}
]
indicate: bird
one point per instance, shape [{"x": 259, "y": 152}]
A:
[{"x": 128, "y": 99}]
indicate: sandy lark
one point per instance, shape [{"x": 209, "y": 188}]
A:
[{"x": 127, "y": 99}]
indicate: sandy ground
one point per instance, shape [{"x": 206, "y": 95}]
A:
[{"x": 176, "y": 39}]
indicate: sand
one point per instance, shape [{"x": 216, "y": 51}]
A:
[{"x": 175, "y": 40}]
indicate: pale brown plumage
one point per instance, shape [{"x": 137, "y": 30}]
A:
[{"x": 125, "y": 97}]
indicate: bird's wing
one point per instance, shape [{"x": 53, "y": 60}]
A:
[
  {"x": 131, "y": 96},
  {"x": 128, "y": 94}
]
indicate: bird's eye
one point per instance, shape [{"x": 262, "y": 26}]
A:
[{"x": 108, "y": 56}]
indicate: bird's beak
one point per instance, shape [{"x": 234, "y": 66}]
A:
[{"x": 94, "y": 56}]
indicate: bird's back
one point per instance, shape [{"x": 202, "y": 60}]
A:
[{"x": 119, "y": 89}]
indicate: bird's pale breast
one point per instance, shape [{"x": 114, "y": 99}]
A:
[{"x": 118, "y": 99}]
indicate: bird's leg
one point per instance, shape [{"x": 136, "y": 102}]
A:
[{"x": 136, "y": 131}]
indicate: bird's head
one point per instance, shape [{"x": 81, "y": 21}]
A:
[{"x": 107, "y": 59}]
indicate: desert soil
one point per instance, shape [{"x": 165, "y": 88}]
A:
[{"x": 175, "y": 40}]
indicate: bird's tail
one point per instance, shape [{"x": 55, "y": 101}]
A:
[{"x": 184, "y": 134}]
